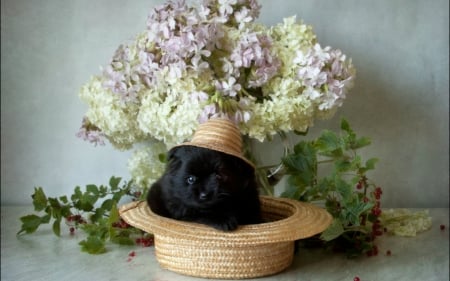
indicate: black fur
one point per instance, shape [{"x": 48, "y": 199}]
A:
[{"x": 206, "y": 186}]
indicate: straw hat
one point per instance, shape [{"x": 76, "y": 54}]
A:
[
  {"x": 251, "y": 250},
  {"x": 248, "y": 252},
  {"x": 221, "y": 135}
]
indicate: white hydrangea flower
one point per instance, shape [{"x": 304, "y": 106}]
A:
[{"x": 145, "y": 164}]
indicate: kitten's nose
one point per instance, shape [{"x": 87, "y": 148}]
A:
[{"x": 203, "y": 196}]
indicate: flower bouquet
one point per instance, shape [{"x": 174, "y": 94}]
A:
[{"x": 211, "y": 59}]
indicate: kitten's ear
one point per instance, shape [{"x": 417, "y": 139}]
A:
[
  {"x": 178, "y": 152},
  {"x": 173, "y": 159},
  {"x": 172, "y": 153}
]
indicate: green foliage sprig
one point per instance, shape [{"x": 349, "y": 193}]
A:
[
  {"x": 330, "y": 170},
  {"x": 94, "y": 211}
]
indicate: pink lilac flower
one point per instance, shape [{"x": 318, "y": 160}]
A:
[
  {"x": 89, "y": 132},
  {"x": 228, "y": 87}
]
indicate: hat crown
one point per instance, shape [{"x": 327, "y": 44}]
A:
[{"x": 219, "y": 134}]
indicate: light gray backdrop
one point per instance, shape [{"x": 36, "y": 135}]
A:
[{"x": 400, "y": 48}]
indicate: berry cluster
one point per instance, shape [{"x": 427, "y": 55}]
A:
[
  {"x": 121, "y": 224},
  {"x": 145, "y": 241},
  {"x": 73, "y": 221}
]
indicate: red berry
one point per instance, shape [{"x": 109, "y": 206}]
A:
[
  {"x": 132, "y": 254},
  {"x": 442, "y": 226},
  {"x": 356, "y": 279},
  {"x": 72, "y": 230},
  {"x": 359, "y": 185},
  {"x": 376, "y": 211}
]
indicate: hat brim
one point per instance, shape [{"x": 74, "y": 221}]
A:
[
  {"x": 250, "y": 251},
  {"x": 288, "y": 220}
]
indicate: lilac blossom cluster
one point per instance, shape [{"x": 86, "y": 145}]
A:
[{"x": 196, "y": 62}]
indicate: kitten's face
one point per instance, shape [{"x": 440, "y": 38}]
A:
[{"x": 203, "y": 177}]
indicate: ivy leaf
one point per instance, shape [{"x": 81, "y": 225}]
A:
[
  {"x": 352, "y": 212},
  {"x": 302, "y": 162},
  {"x": 333, "y": 231},
  {"x": 76, "y": 196},
  {"x": 345, "y": 126},
  {"x": 162, "y": 157},
  {"x": 361, "y": 142},
  {"x": 39, "y": 199},
  {"x": 30, "y": 223},
  {"x": 92, "y": 188},
  {"x": 93, "y": 245},
  {"x": 114, "y": 183},
  {"x": 329, "y": 144},
  {"x": 370, "y": 164},
  {"x": 343, "y": 188},
  {"x": 342, "y": 165},
  {"x": 107, "y": 204},
  {"x": 123, "y": 240},
  {"x": 64, "y": 199},
  {"x": 57, "y": 227}
]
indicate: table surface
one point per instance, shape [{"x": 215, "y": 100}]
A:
[{"x": 43, "y": 256}]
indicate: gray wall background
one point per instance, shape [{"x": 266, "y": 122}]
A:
[{"x": 400, "y": 48}]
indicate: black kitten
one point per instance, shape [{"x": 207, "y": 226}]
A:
[{"x": 206, "y": 186}]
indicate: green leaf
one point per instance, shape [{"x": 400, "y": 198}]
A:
[
  {"x": 98, "y": 214},
  {"x": 333, "y": 231},
  {"x": 57, "y": 227},
  {"x": 351, "y": 214},
  {"x": 114, "y": 183},
  {"x": 342, "y": 165},
  {"x": 370, "y": 164},
  {"x": 361, "y": 142},
  {"x": 39, "y": 199},
  {"x": 87, "y": 202},
  {"x": 93, "y": 245},
  {"x": 345, "y": 126},
  {"x": 54, "y": 203},
  {"x": 107, "y": 204},
  {"x": 64, "y": 199},
  {"x": 103, "y": 191},
  {"x": 92, "y": 188},
  {"x": 113, "y": 214},
  {"x": 77, "y": 194},
  {"x": 329, "y": 144},
  {"x": 162, "y": 157},
  {"x": 30, "y": 223},
  {"x": 122, "y": 240},
  {"x": 344, "y": 189},
  {"x": 46, "y": 218},
  {"x": 302, "y": 160}
]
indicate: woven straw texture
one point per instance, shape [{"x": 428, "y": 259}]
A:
[
  {"x": 250, "y": 251},
  {"x": 221, "y": 135}
]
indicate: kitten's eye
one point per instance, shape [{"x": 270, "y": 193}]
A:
[
  {"x": 191, "y": 179},
  {"x": 221, "y": 177}
]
